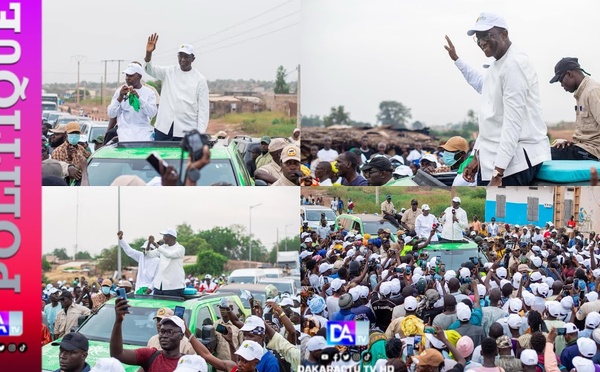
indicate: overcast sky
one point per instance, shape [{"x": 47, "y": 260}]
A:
[
  {"x": 149, "y": 210},
  {"x": 358, "y": 53},
  {"x": 110, "y": 29}
]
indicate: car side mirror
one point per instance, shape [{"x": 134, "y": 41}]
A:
[{"x": 260, "y": 183}]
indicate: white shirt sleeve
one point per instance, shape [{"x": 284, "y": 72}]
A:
[
  {"x": 203, "y": 106},
  {"x": 157, "y": 72},
  {"x": 136, "y": 255},
  {"x": 114, "y": 109},
  {"x": 177, "y": 252},
  {"x": 472, "y": 76},
  {"x": 148, "y": 107}
]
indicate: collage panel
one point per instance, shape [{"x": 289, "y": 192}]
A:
[
  {"x": 226, "y": 278},
  {"x": 207, "y": 96},
  {"x": 415, "y": 82},
  {"x": 399, "y": 279}
]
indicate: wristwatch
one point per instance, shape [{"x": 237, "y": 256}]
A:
[
  {"x": 193, "y": 174},
  {"x": 497, "y": 174}
]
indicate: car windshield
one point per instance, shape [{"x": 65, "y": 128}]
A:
[
  {"x": 315, "y": 215},
  {"x": 281, "y": 287},
  {"x": 95, "y": 132},
  {"x": 454, "y": 258},
  {"x": 138, "y": 325},
  {"x": 48, "y": 106},
  {"x": 242, "y": 279},
  {"x": 102, "y": 172},
  {"x": 371, "y": 227}
]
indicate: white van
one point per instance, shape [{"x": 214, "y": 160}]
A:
[{"x": 246, "y": 276}]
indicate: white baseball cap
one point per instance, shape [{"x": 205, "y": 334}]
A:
[
  {"x": 174, "y": 319},
  {"x": 134, "y": 68},
  {"x": 514, "y": 321},
  {"x": 587, "y": 347},
  {"x": 425, "y": 207},
  {"x": 501, "y": 272},
  {"x": 592, "y": 296},
  {"x": 456, "y": 199},
  {"x": 355, "y": 292},
  {"x": 109, "y": 365},
  {"x": 363, "y": 291},
  {"x": 515, "y": 305},
  {"x": 583, "y": 364},
  {"x": 571, "y": 328},
  {"x": 287, "y": 302},
  {"x": 251, "y": 350},
  {"x": 554, "y": 308},
  {"x": 253, "y": 322},
  {"x": 305, "y": 254},
  {"x": 543, "y": 290},
  {"x": 449, "y": 275},
  {"x": 463, "y": 312},
  {"x": 535, "y": 276},
  {"x": 316, "y": 343},
  {"x": 324, "y": 267},
  {"x": 529, "y": 357},
  {"x": 592, "y": 320},
  {"x": 464, "y": 273},
  {"x": 516, "y": 279},
  {"x": 191, "y": 363},
  {"x": 410, "y": 303},
  {"x": 536, "y": 261},
  {"x": 186, "y": 48},
  {"x": 337, "y": 283},
  {"x": 308, "y": 240},
  {"x": 567, "y": 303},
  {"x": 385, "y": 288},
  {"x": 170, "y": 231},
  {"x": 528, "y": 298}
]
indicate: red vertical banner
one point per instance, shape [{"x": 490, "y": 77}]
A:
[{"x": 20, "y": 182}]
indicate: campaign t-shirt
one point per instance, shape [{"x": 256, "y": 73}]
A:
[{"x": 160, "y": 363}]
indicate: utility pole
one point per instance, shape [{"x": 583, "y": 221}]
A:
[
  {"x": 105, "y": 81},
  {"x": 78, "y": 59},
  {"x": 119, "y": 70},
  {"x": 298, "y": 100}
]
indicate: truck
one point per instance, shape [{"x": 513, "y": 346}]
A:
[{"x": 292, "y": 259}]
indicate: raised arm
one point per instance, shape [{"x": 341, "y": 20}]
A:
[
  {"x": 222, "y": 365},
  {"x": 136, "y": 255},
  {"x": 472, "y": 76},
  {"x": 126, "y": 356}
]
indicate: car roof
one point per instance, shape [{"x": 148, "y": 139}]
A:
[
  {"x": 141, "y": 150},
  {"x": 317, "y": 207},
  {"x": 451, "y": 246},
  {"x": 247, "y": 272},
  {"x": 167, "y": 301},
  {"x": 277, "y": 280},
  {"x": 236, "y": 286},
  {"x": 362, "y": 216}
]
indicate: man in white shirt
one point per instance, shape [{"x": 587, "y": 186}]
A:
[
  {"x": 147, "y": 267},
  {"x": 537, "y": 236},
  {"x": 170, "y": 280},
  {"x": 134, "y": 120},
  {"x": 492, "y": 228},
  {"x": 512, "y": 141},
  {"x": 327, "y": 153},
  {"x": 424, "y": 223},
  {"x": 454, "y": 221},
  {"x": 185, "y": 104},
  {"x": 208, "y": 285},
  {"x": 416, "y": 153}
]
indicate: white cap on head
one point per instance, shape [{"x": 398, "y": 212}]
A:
[
  {"x": 535, "y": 276},
  {"x": 571, "y": 328},
  {"x": 337, "y": 283},
  {"x": 543, "y": 290},
  {"x": 554, "y": 308},
  {"x": 592, "y": 296},
  {"x": 536, "y": 261},
  {"x": 463, "y": 312},
  {"x": 253, "y": 322},
  {"x": 449, "y": 275},
  {"x": 251, "y": 350},
  {"x": 587, "y": 347},
  {"x": 186, "y": 48},
  {"x": 410, "y": 303},
  {"x": 363, "y": 291},
  {"x": 516, "y": 280},
  {"x": 170, "y": 231},
  {"x": 174, "y": 319},
  {"x": 109, "y": 365},
  {"x": 385, "y": 288},
  {"x": 583, "y": 364},
  {"x": 464, "y": 272},
  {"x": 134, "y": 68},
  {"x": 425, "y": 207},
  {"x": 456, "y": 199},
  {"x": 501, "y": 273},
  {"x": 316, "y": 343},
  {"x": 567, "y": 303},
  {"x": 592, "y": 320},
  {"x": 529, "y": 357},
  {"x": 191, "y": 363},
  {"x": 515, "y": 305},
  {"x": 354, "y": 291},
  {"x": 514, "y": 321}
]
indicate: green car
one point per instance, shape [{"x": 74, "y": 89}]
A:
[
  {"x": 139, "y": 326},
  {"x": 129, "y": 158},
  {"x": 455, "y": 254},
  {"x": 365, "y": 224}
]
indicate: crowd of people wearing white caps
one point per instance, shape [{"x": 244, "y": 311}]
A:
[
  {"x": 531, "y": 305},
  {"x": 265, "y": 341}
]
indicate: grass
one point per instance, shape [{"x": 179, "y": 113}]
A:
[
  {"x": 268, "y": 123},
  {"x": 472, "y": 199}
]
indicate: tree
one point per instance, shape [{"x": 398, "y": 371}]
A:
[
  {"x": 60, "y": 253},
  {"x": 83, "y": 255},
  {"x": 223, "y": 240},
  {"x": 394, "y": 114},
  {"x": 281, "y": 87},
  {"x": 46, "y": 265},
  {"x": 338, "y": 115},
  {"x": 209, "y": 262},
  {"x": 417, "y": 125},
  {"x": 285, "y": 245},
  {"x": 108, "y": 259},
  {"x": 312, "y": 121}
]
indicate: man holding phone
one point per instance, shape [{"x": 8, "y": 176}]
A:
[{"x": 223, "y": 326}]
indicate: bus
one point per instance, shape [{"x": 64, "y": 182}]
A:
[{"x": 50, "y": 97}]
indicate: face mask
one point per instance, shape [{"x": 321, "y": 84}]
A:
[
  {"x": 73, "y": 138},
  {"x": 448, "y": 158},
  {"x": 106, "y": 290}
]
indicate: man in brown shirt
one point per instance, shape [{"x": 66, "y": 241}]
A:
[
  {"x": 98, "y": 299},
  {"x": 271, "y": 172},
  {"x": 410, "y": 215},
  {"x": 72, "y": 151},
  {"x": 225, "y": 308},
  {"x": 68, "y": 317},
  {"x": 586, "y": 139}
]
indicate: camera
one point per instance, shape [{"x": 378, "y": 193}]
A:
[{"x": 193, "y": 142}]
